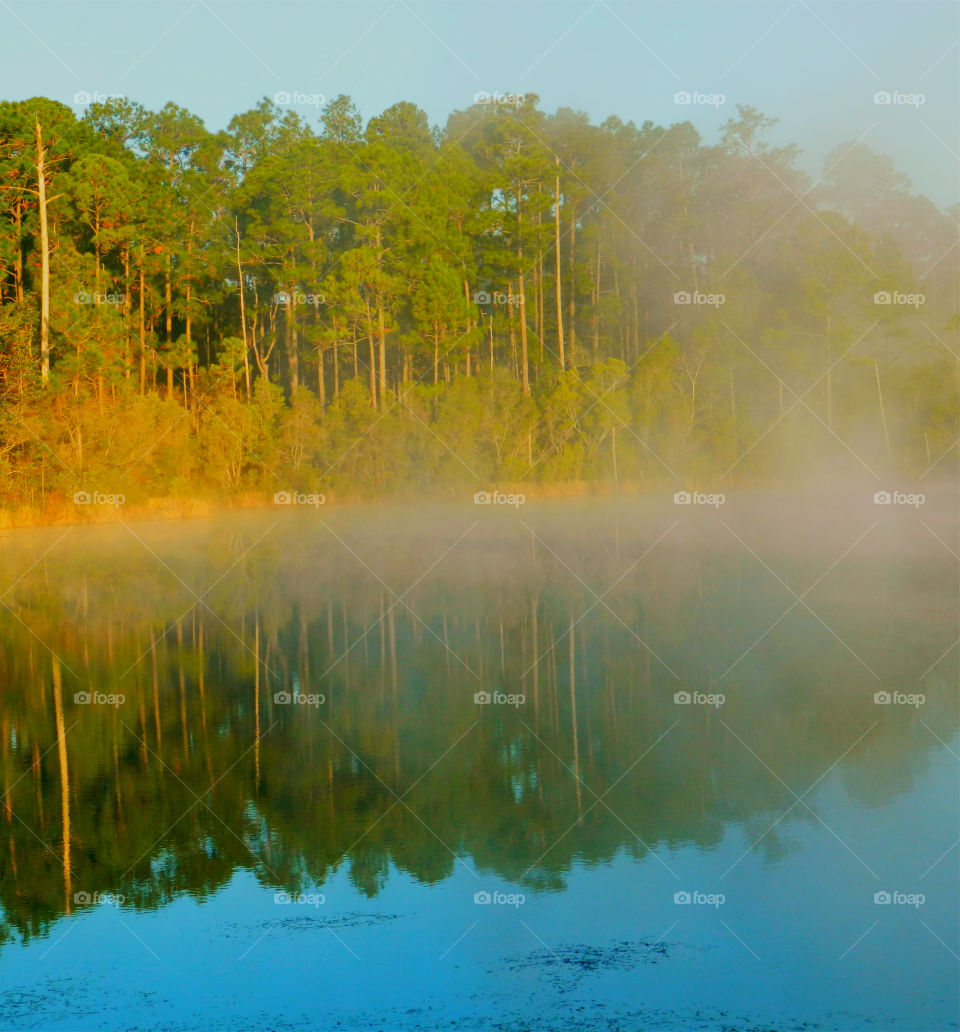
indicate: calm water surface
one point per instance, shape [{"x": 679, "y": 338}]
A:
[{"x": 580, "y": 765}]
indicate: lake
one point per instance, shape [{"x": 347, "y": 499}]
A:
[{"x": 580, "y": 764}]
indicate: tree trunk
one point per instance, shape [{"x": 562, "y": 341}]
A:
[
  {"x": 243, "y": 312},
  {"x": 512, "y": 334},
  {"x": 44, "y": 259},
  {"x": 336, "y": 359},
  {"x": 571, "y": 293},
  {"x": 522, "y": 307},
  {"x": 293, "y": 362},
  {"x": 559, "y": 290},
  {"x": 143, "y": 339},
  {"x": 436, "y": 351},
  {"x": 524, "y": 359},
  {"x": 126, "y": 313},
  {"x": 382, "y": 333},
  {"x": 168, "y": 301},
  {"x": 538, "y": 278},
  {"x": 373, "y": 359}
]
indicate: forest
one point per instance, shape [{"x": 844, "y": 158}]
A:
[{"x": 515, "y": 298}]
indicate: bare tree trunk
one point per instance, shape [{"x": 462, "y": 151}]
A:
[
  {"x": 143, "y": 340},
  {"x": 44, "y": 259},
  {"x": 188, "y": 320},
  {"x": 126, "y": 313},
  {"x": 382, "y": 333},
  {"x": 168, "y": 321},
  {"x": 436, "y": 351},
  {"x": 572, "y": 293},
  {"x": 559, "y": 298},
  {"x": 524, "y": 354},
  {"x": 512, "y": 333},
  {"x": 168, "y": 302},
  {"x": 373, "y": 359},
  {"x": 243, "y": 311},
  {"x": 522, "y": 306},
  {"x": 538, "y": 278},
  {"x": 336, "y": 358},
  {"x": 293, "y": 363}
]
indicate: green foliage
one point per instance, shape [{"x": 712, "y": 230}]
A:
[{"x": 372, "y": 309}]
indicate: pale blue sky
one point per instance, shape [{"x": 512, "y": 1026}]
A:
[{"x": 815, "y": 66}]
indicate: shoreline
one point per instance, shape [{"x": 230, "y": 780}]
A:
[
  {"x": 172, "y": 508},
  {"x": 207, "y": 507}
]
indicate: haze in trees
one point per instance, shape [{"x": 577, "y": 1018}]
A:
[{"x": 516, "y": 297}]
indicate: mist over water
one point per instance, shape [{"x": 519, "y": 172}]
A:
[{"x": 624, "y": 755}]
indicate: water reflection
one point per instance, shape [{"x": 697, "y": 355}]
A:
[{"x": 363, "y": 689}]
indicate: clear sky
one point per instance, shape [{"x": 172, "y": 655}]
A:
[{"x": 815, "y": 66}]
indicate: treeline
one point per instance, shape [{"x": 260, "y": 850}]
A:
[{"x": 514, "y": 297}]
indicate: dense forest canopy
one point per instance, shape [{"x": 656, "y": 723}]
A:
[{"x": 517, "y": 297}]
